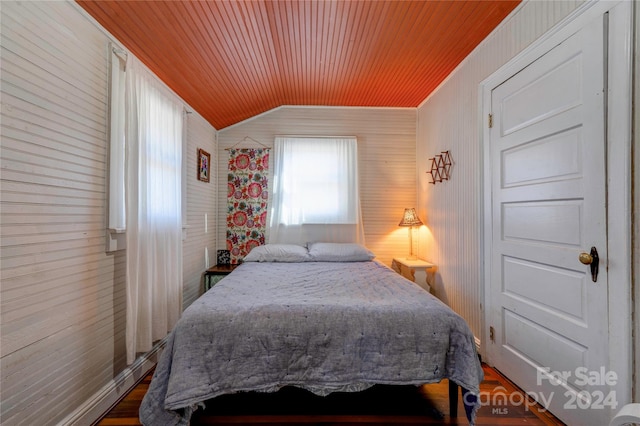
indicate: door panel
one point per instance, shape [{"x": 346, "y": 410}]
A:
[
  {"x": 552, "y": 158},
  {"x": 547, "y": 149},
  {"x": 549, "y": 222},
  {"x": 560, "y": 291},
  {"x": 540, "y": 345},
  {"x": 532, "y": 103}
]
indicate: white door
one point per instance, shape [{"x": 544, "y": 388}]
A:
[{"x": 548, "y": 318}]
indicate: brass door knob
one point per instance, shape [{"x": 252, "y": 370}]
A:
[
  {"x": 592, "y": 259},
  {"x": 585, "y": 258}
]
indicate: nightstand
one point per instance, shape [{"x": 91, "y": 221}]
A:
[
  {"x": 215, "y": 274},
  {"x": 413, "y": 269}
]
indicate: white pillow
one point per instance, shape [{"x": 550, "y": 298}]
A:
[
  {"x": 278, "y": 253},
  {"x": 339, "y": 252}
]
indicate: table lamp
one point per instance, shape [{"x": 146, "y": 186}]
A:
[{"x": 410, "y": 219}]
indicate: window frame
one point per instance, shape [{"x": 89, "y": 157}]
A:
[
  {"x": 116, "y": 213},
  {"x": 285, "y": 224}
]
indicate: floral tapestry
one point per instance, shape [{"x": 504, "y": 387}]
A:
[{"x": 247, "y": 194}]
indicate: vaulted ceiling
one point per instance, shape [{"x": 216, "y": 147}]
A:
[{"x": 231, "y": 60}]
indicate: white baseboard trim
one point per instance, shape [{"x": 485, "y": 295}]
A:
[{"x": 99, "y": 403}]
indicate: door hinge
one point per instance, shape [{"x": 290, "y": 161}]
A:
[
  {"x": 490, "y": 121},
  {"x": 492, "y": 335}
]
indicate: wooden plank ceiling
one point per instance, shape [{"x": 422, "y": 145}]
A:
[{"x": 231, "y": 60}]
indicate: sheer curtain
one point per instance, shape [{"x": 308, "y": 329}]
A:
[
  {"x": 315, "y": 191},
  {"x": 154, "y": 211}
]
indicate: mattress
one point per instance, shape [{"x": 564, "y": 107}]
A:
[{"x": 321, "y": 326}]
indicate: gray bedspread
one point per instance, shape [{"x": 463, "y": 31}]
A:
[{"x": 321, "y": 326}]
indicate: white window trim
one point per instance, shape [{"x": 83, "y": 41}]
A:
[{"x": 116, "y": 215}]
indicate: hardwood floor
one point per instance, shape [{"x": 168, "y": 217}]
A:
[{"x": 380, "y": 405}]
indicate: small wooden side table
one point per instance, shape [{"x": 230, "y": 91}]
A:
[
  {"x": 413, "y": 269},
  {"x": 215, "y": 274}
]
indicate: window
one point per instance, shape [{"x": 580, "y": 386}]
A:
[
  {"x": 161, "y": 155},
  {"x": 153, "y": 139},
  {"x": 315, "y": 182}
]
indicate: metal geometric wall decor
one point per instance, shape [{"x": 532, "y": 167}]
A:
[{"x": 440, "y": 167}]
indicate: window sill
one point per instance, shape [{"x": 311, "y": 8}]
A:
[{"x": 116, "y": 239}]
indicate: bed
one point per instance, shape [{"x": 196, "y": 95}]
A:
[{"x": 328, "y": 318}]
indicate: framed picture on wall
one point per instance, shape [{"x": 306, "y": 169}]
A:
[
  {"x": 223, "y": 257},
  {"x": 204, "y": 165}
]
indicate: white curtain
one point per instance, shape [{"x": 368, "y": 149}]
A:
[
  {"x": 315, "y": 191},
  {"x": 154, "y": 223}
]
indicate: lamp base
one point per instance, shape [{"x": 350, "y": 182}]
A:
[{"x": 411, "y": 255}]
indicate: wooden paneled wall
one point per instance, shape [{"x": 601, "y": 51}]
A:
[
  {"x": 62, "y": 296},
  {"x": 448, "y": 120},
  {"x": 201, "y": 204},
  {"x": 386, "y": 162}
]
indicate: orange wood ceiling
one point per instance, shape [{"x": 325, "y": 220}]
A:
[{"x": 231, "y": 60}]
